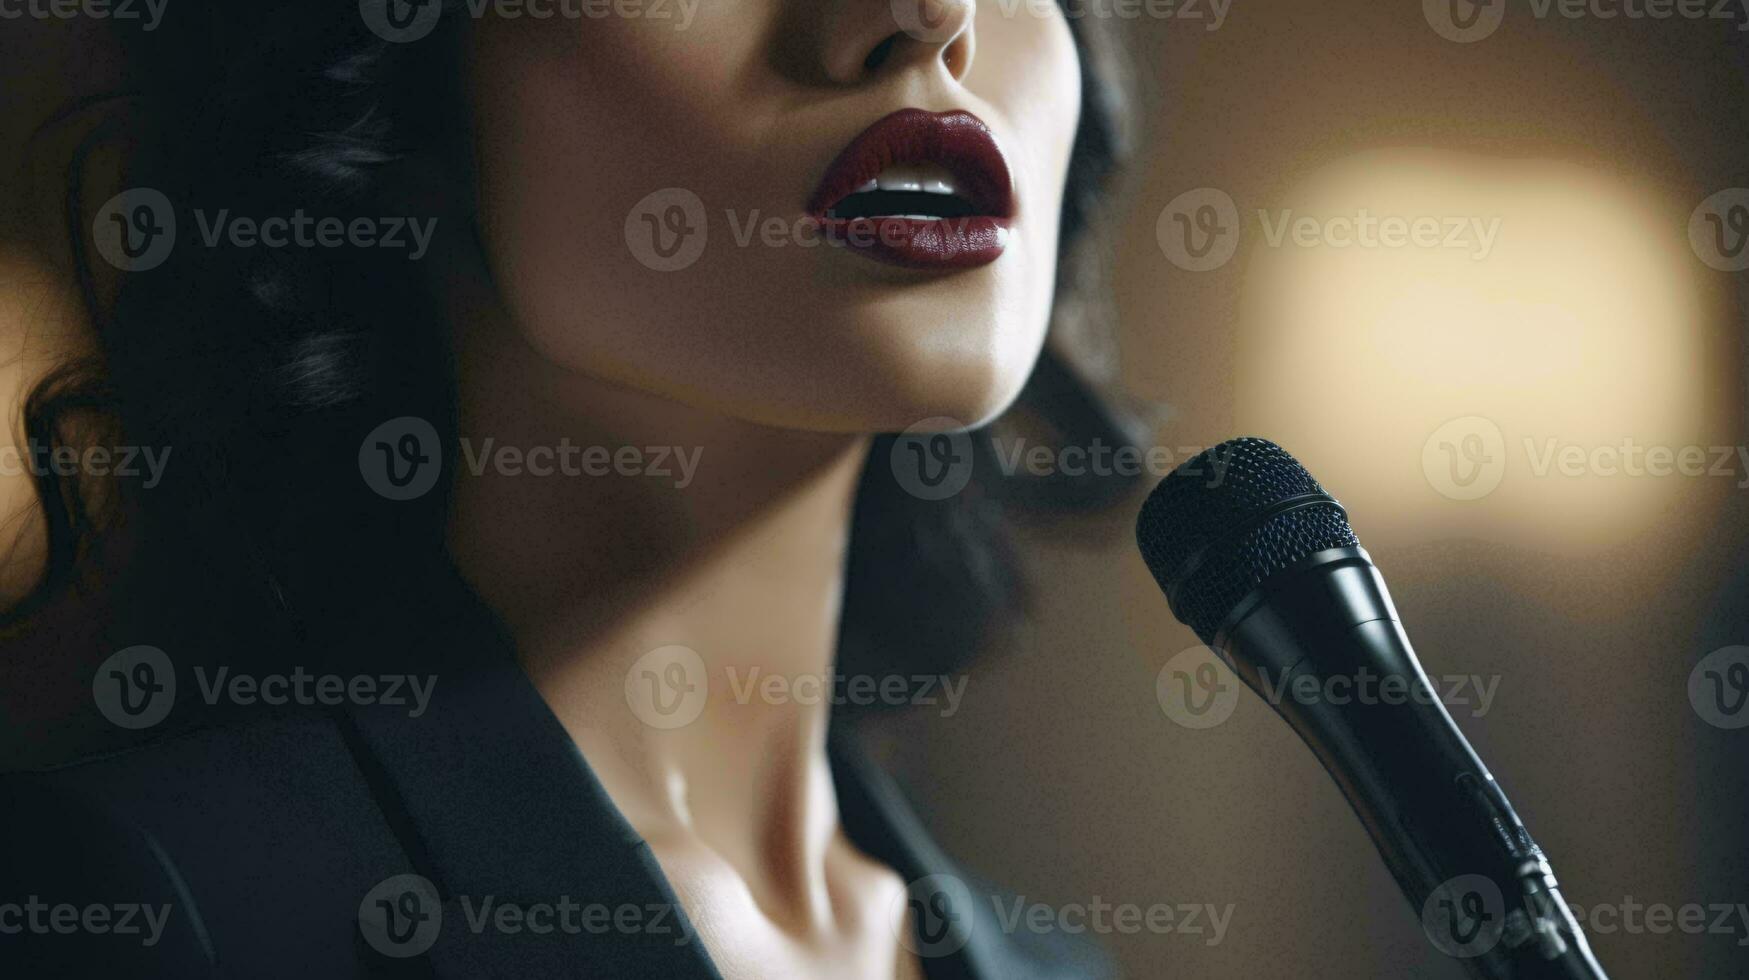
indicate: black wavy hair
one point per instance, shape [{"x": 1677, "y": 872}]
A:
[{"x": 265, "y": 368}]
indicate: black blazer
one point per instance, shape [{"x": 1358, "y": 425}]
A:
[{"x": 266, "y": 837}]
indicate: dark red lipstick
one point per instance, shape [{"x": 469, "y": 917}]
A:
[{"x": 965, "y": 228}]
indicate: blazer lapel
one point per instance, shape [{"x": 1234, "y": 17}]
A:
[{"x": 537, "y": 873}]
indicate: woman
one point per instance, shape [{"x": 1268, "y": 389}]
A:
[{"x": 514, "y": 383}]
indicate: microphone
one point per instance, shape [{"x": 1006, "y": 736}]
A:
[{"x": 1256, "y": 557}]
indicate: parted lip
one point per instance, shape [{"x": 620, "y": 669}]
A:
[{"x": 957, "y": 140}]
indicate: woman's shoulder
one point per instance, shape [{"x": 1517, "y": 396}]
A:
[{"x": 242, "y": 844}]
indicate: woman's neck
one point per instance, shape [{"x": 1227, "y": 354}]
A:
[{"x": 660, "y": 527}]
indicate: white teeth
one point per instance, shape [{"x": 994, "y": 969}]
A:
[
  {"x": 867, "y": 188},
  {"x": 926, "y": 178}
]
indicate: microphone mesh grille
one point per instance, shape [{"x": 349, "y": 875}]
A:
[{"x": 1200, "y": 506}]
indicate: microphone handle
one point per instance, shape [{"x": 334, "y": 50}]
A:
[{"x": 1457, "y": 850}]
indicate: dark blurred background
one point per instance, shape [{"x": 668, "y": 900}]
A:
[{"x": 1425, "y": 386}]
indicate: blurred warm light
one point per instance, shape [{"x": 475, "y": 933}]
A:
[{"x": 1582, "y": 323}]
